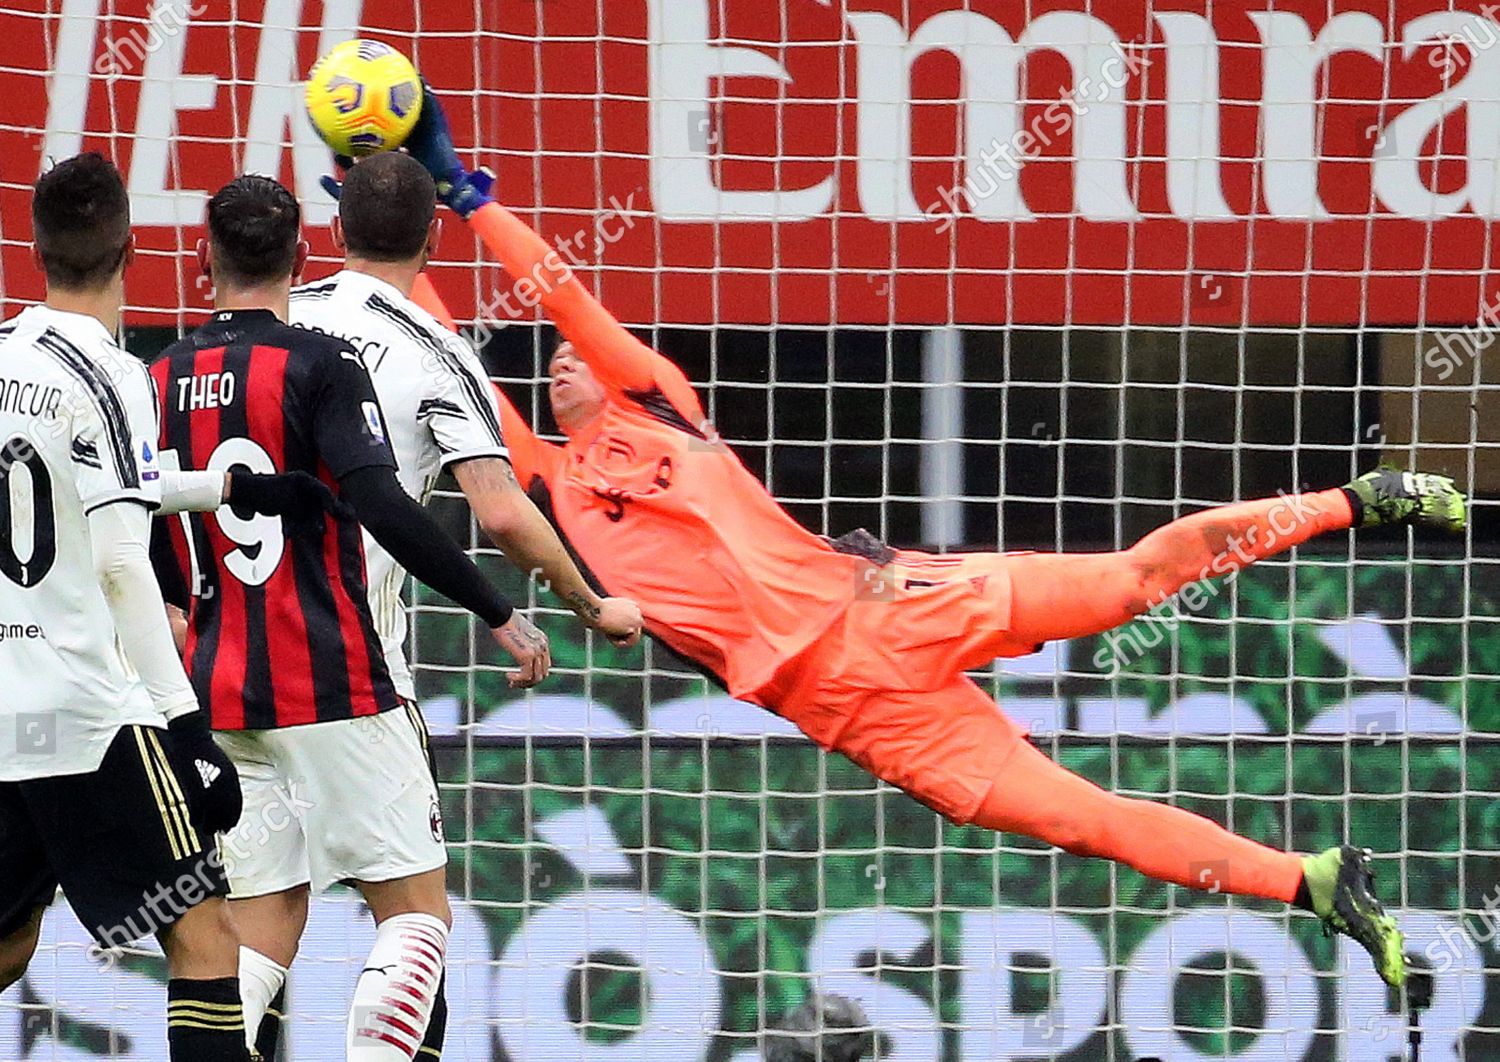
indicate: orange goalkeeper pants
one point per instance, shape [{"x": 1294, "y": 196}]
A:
[
  {"x": 885, "y": 687},
  {"x": 1066, "y": 596}
]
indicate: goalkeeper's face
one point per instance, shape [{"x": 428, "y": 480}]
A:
[{"x": 577, "y": 396}]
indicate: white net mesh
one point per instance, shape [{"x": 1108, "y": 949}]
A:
[{"x": 922, "y": 296}]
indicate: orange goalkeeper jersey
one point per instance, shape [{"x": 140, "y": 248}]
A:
[
  {"x": 657, "y": 508},
  {"x": 658, "y": 513}
]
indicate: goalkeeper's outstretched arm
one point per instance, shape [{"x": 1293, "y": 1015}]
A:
[{"x": 619, "y": 361}]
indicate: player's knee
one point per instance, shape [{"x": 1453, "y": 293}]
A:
[
  {"x": 435, "y": 907},
  {"x": 203, "y": 943},
  {"x": 12, "y": 970},
  {"x": 1139, "y": 581},
  {"x": 1079, "y": 834},
  {"x": 424, "y": 894},
  {"x": 16, "y": 951}
]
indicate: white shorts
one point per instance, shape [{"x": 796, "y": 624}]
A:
[{"x": 352, "y": 799}]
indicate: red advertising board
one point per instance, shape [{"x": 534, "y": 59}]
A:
[{"x": 875, "y": 162}]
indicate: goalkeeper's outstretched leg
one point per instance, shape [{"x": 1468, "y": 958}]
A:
[
  {"x": 885, "y": 688},
  {"x": 1028, "y": 599},
  {"x": 1070, "y": 595},
  {"x": 1034, "y": 796},
  {"x": 1067, "y": 596}
]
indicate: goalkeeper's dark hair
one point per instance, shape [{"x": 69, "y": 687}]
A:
[
  {"x": 80, "y": 218},
  {"x": 386, "y": 206},
  {"x": 254, "y": 226}
]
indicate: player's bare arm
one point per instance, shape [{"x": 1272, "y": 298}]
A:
[
  {"x": 455, "y": 415},
  {"x": 514, "y": 524},
  {"x": 177, "y": 619},
  {"x": 422, "y": 547}
]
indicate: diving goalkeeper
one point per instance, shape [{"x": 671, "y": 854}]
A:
[{"x": 865, "y": 647}]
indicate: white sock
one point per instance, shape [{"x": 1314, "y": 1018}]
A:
[
  {"x": 260, "y": 980},
  {"x": 394, "y": 998}
]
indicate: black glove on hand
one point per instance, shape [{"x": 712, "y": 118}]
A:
[
  {"x": 295, "y": 494},
  {"x": 206, "y": 774}
]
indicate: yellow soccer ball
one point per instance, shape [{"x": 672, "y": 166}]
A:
[{"x": 363, "y": 97}]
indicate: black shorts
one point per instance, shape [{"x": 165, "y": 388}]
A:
[{"x": 119, "y": 841}]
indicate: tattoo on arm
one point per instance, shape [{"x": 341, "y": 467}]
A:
[
  {"x": 485, "y": 474},
  {"x": 583, "y": 606},
  {"x": 532, "y": 541},
  {"x": 529, "y": 634}
]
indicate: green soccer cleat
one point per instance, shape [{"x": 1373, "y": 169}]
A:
[
  {"x": 1390, "y": 496},
  {"x": 1341, "y": 885}
]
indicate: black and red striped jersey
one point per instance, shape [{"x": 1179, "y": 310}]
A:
[{"x": 279, "y": 626}]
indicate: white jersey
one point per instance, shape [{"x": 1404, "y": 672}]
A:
[
  {"x": 438, "y": 405},
  {"x": 78, "y": 430}
]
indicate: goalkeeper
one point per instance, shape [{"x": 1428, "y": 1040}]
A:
[{"x": 865, "y": 647}]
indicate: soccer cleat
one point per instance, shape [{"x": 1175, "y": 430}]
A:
[
  {"x": 1390, "y": 496},
  {"x": 1341, "y": 883}
]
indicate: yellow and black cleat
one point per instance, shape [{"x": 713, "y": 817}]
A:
[
  {"x": 1390, "y": 496},
  {"x": 1341, "y": 884}
]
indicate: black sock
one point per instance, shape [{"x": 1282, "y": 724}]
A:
[
  {"x": 205, "y": 1022},
  {"x": 1356, "y": 506},
  {"x": 1303, "y": 899},
  {"x": 437, "y": 1027},
  {"x": 268, "y": 1037}
]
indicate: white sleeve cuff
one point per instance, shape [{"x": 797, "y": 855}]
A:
[
  {"x": 175, "y": 708},
  {"x": 191, "y": 492}
]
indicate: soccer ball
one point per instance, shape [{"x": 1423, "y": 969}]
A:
[
  {"x": 825, "y": 1028},
  {"x": 363, "y": 97}
]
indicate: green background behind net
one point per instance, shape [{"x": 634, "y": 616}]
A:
[{"x": 760, "y": 842}]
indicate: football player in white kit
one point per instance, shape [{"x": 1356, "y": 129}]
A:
[
  {"x": 111, "y": 786},
  {"x": 440, "y": 414}
]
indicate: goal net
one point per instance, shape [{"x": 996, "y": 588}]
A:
[{"x": 966, "y": 274}]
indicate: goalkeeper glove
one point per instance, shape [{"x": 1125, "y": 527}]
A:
[
  {"x": 206, "y": 774},
  {"x": 333, "y": 183},
  {"x": 431, "y": 144}
]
